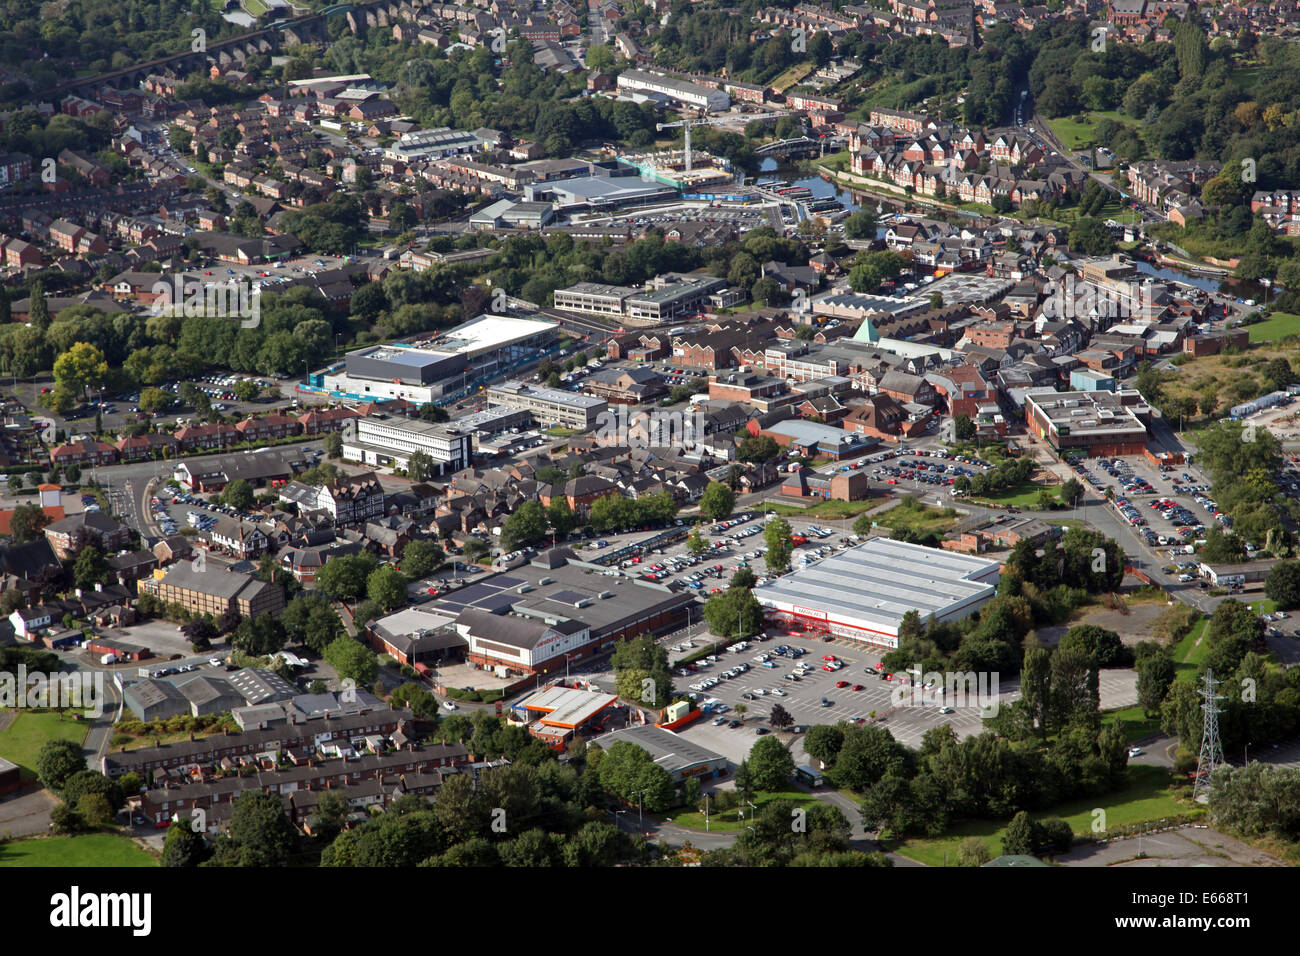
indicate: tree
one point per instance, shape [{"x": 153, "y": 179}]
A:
[
  {"x": 352, "y": 660},
  {"x": 94, "y": 809},
  {"x": 755, "y": 448},
  {"x": 330, "y": 815},
  {"x": 973, "y": 851},
  {"x": 771, "y": 764},
  {"x": 184, "y": 847},
  {"x": 860, "y": 225},
  {"x": 743, "y": 578},
  {"x": 780, "y": 718},
  {"x": 695, "y": 542},
  {"x": 776, "y": 535},
  {"x": 630, "y": 773},
  {"x": 1155, "y": 674},
  {"x": 310, "y": 620},
  {"x": 420, "y": 466},
  {"x": 333, "y": 444},
  {"x": 1019, "y": 839},
  {"x": 963, "y": 429},
  {"x": 421, "y": 558},
  {"x": 239, "y": 495},
  {"x": 1283, "y": 584},
  {"x": 345, "y": 578},
  {"x": 717, "y": 502},
  {"x": 26, "y": 522},
  {"x": 823, "y": 742},
  {"x": 734, "y": 613},
  {"x": 260, "y": 832},
  {"x": 1071, "y": 491},
  {"x": 81, "y": 367},
  {"x": 526, "y": 526},
  {"x": 259, "y": 636},
  {"x": 87, "y": 782},
  {"x": 90, "y": 568},
  {"x": 57, "y": 761}
]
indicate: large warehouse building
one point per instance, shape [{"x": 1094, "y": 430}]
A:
[
  {"x": 863, "y": 593},
  {"x": 434, "y": 367}
]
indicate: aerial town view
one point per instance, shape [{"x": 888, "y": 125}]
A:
[{"x": 685, "y": 433}]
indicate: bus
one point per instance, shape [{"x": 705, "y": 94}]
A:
[{"x": 807, "y": 775}]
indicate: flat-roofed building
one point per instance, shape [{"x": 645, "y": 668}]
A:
[
  {"x": 593, "y": 298},
  {"x": 556, "y": 586},
  {"x": 390, "y": 442},
  {"x": 557, "y": 712},
  {"x": 550, "y": 406},
  {"x": 863, "y": 593},
  {"x": 1096, "y": 423},
  {"x": 681, "y": 91}
]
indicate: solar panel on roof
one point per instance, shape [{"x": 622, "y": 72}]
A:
[
  {"x": 568, "y": 597},
  {"x": 505, "y": 582},
  {"x": 474, "y": 593},
  {"x": 496, "y": 602}
]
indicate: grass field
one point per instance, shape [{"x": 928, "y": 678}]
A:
[
  {"x": 1191, "y": 650},
  {"x": 1075, "y": 136},
  {"x": 920, "y": 518},
  {"x": 1146, "y": 798},
  {"x": 1137, "y": 725},
  {"x": 729, "y": 820},
  {"x": 1232, "y": 378},
  {"x": 831, "y": 510},
  {"x": 792, "y": 76},
  {"x": 22, "y": 741},
  {"x": 1279, "y": 325},
  {"x": 88, "y": 849},
  {"x": 255, "y": 7},
  {"x": 1023, "y": 495}
]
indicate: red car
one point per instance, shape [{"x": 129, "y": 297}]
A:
[
  {"x": 841, "y": 683},
  {"x": 828, "y": 657},
  {"x": 859, "y": 687},
  {"x": 827, "y": 667}
]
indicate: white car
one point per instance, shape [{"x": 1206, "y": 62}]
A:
[
  {"x": 945, "y": 710},
  {"x": 449, "y": 704},
  {"x": 778, "y": 692},
  {"x": 759, "y": 691},
  {"x": 1135, "y": 751}
]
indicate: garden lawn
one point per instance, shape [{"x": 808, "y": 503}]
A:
[
  {"x": 21, "y": 742},
  {"x": 729, "y": 821},
  {"x": 87, "y": 849},
  {"x": 1146, "y": 798}
]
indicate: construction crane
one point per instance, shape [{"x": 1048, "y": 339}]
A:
[{"x": 718, "y": 121}]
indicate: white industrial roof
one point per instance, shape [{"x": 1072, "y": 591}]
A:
[{"x": 873, "y": 585}]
